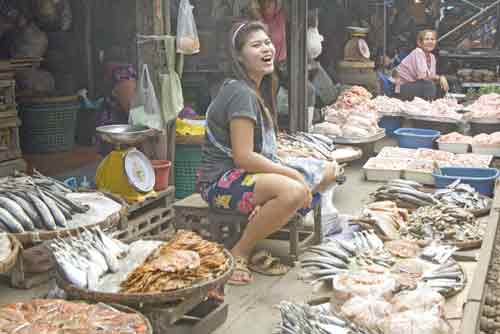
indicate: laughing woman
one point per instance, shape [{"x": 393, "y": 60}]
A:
[{"x": 239, "y": 169}]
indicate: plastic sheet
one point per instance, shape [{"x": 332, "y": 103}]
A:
[
  {"x": 366, "y": 311},
  {"x": 423, "y": 299},
  {"x": 411, "y": 322},
  {"x": 363, "y": 284}
]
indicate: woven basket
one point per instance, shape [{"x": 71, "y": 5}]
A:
[{"x": 10, "y": 262}]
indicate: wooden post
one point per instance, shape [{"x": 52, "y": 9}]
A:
[
  {"x": 87, "y": 45},
  {"x": 297, "y": 65},
  {"x": 150, "y": 21}
]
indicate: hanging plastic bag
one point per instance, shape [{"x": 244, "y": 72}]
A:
[
  {"x": 146, "y": 110},
  {"x": 188, "y": 42}
]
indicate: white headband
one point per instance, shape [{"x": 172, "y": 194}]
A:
[{"x": 236, "y": 32}]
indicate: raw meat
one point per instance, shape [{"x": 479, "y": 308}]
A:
[
  {"x": 486, "y": 107},
  {"x": 455, "y": 137}
]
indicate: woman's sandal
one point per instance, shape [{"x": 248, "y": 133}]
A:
[
  {"x": 241, "y": 265},
  {"x": 264, "y": 263}
]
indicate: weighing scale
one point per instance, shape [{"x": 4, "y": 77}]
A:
[
  {"x": 356, "y": 48},
  {"x": 126, "y": 171}
]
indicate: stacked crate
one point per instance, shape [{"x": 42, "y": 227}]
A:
[{"x": 10, "y": 147}]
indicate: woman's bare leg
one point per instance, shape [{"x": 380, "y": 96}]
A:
[{"x": 279, "y": 197}]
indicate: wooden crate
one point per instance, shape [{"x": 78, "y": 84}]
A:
[
  {"x": 10, "y": 146},
  {"x": 151, "y": 218},
  {"x": 34, "y": 266}
]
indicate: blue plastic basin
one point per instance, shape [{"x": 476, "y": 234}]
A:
[
  {"x": 416, "y": 138},
  {"x": 481, "y": 179},
  {"x": 390, "y": 124}
]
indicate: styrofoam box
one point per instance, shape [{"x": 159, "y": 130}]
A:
[
  {"x": 458, "y": 148},
  {"x": 376, "y": 173},
  {"x": 486, "y": 149},
  {"x": 420, "y": 171}
]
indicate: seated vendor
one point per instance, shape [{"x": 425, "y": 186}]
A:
[
  {"x": 117, "y": 106},
  {"x": 416, "y": 75},
  {"x": 240, "y": 170}
]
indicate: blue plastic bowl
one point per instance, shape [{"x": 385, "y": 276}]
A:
[
  {"x": 481, "y": 179},
  {"x": 390, "y": 124},
  {"x": 416, "y": 138}
]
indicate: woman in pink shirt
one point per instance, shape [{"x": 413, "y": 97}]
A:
[{"x": 416, "y": 75}]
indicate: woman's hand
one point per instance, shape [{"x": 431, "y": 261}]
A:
[{"x": 444, "y": 83}]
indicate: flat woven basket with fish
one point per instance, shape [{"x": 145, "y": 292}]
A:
[
  {"x": 141, "y": 299},
  {"x": 10, "y": 261}
]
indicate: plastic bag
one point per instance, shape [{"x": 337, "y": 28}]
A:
[
  {"x": 188, "y": 42},
  {"x": 147, "y": 110},
  {"x": 420, "y": 299},
  {"x": 414, "y": 322},
  {"x": 366, "y": 311},
  {"x": 29, "y": 42},
  {"x": 363, "y": 284}
]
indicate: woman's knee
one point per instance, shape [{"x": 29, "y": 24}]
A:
[{"x": 294, "y": 195}]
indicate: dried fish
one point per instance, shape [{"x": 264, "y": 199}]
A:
[
  {"x": 462, "y": 195},
  {"x": 59, "y": 316}
]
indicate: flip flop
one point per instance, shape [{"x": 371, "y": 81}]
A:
[
  {"x": 264, "y": 263},
  {"x": 241, "y": 265}
]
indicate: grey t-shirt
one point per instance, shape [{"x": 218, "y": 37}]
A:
[{"x": 235, "y": 99}]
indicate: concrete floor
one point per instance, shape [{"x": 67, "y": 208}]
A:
[{"x": 252, "y": 308}]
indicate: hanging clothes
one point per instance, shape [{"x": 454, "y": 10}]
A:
[{"x": 171, "y": 88}]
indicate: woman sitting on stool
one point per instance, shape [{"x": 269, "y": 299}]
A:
[{"x": 416, "y": 75}]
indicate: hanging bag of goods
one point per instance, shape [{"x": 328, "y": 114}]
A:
[{"x": 188, "y": 42}]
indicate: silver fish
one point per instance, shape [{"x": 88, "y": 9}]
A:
[
  {"x": 58, "y": 216},
  {"x": 10, "y": 221},
  {"x": 328, "y": 260},
  {"x": 44, "y": 211},
  {"x": 27, "y": 206},
  {"x": 17, "y": 211}
]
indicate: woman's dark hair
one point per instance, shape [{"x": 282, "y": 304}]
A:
[{"x": 269, "y": 85}]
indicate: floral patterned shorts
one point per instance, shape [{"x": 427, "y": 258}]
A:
[{"x": 235, "y": 190}]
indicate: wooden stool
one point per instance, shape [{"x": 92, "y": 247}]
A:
[{"x": 226, "y": 226}]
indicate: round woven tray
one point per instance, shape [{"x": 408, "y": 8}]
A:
[
  {"x": 141, "y": 299},
  {"x": 10, "y": 262},
  {"x": 35, "y": 237}
]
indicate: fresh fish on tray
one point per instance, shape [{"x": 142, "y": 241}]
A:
[
  {"x": 462, "y": 195},
  {"x": 30, "y": 203},
  {"x": 302, "y": 318},
  {"x": 441, "y": 222},
  {"x": 405, "y": 193},
  {"x": 84, "y": 259},
  {"x": 58, "y": 316}
]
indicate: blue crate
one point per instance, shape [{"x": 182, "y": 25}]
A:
[
  {"x": 481, "y": 179},
  {"x": 416, "y": 138},
  {"x": 390, "y": 124}
]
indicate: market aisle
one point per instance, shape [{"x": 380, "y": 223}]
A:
[{"x": 252, "y": 309}]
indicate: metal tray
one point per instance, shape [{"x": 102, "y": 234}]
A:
[
  {"x": 141, "y": 299},
  {"x": 444, "y": 120},
  {"x": 485, "y": 121},
  {"x": 359, "y": 140},
  {"x": 124, "y": 134}
]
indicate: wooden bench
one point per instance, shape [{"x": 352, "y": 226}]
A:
[{"x": 226, "y": 226}]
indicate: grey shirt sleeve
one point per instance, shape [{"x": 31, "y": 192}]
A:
[{"x": 242, "y": 103}]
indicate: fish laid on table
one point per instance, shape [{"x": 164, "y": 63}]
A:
[
  {"x": 441, "y": 222},
  {"x": 405, "y": 193},
  {"x": 302, "y": 318},
  {"x": 48, "y": 316},
  {"x": 462, "y": 195},
  {"x": 185, "y": 260},
  {"x": 305, "y": 145},
  {"x": 84, "y": 259},
  {"x": 30, "y": 203}
]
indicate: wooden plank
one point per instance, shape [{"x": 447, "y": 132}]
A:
[
  {"x": 297, "y": 65},
  {"x": 472, "y": 315}
]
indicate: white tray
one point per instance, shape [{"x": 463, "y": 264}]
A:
[
  {"x": 381, "y": 174},
  {"x": 419, "y": 176},
  {"x": 493, "y": 150},
  {"x": 485, "y": 121},
  {"x": 359, "y": 140},
  {"x": 444, "y": 120},
  {"x": 459, "y": 148}
]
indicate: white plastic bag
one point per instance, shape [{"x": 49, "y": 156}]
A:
[
  {"x": 367, "y": 311},
  {"x": 146, "y": 110},
  {"x": 188, "y": 42}
]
